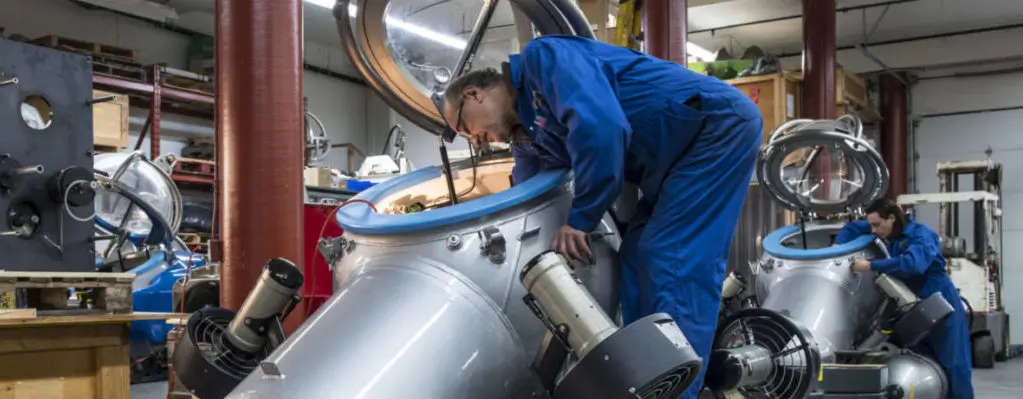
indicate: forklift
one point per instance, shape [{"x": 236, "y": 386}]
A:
[{"x": 975, "y": 271}]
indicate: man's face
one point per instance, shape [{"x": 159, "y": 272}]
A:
[
  {"x": 486, "y": 115},
  {"x": 880, "y": 226}
]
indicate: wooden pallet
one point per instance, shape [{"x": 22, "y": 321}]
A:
[
  {"x": 198, "y": 167},
  {"x": 48, "y": 291},
  {"x": 99, "y": 149},
  {"x": 96, "y": 49},
  {"x": 118, "y": 70}
]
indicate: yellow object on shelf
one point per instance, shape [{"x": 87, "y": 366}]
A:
[
  {"x": 629, "y": 25},
  {"x": 110, "y": 120}
]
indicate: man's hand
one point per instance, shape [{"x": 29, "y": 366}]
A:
[
  {"x": 573, "y": 244},
  {"x": 861, "y": 265}
]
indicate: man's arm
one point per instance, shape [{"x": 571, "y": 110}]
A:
[
  {"x": 851, "y": 231},
  {"x": 526, "y": 165},
  {"x": 579, "y": 91},
  {"x": 921, "y": 252}
]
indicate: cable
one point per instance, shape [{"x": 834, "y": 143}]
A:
[
  {"x": 969, "y": 313},
  {"x": 323, "y": 230},
  {"x": 177, "y": 328},
  {"x": 387, "y": 141},
  {"x": 67, "y": 205},
  {"x": 472, "y": 158}
]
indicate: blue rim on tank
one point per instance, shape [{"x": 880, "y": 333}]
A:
[
  {"x": 774, "y": 247},
  {"x": 358, "y": 218}
]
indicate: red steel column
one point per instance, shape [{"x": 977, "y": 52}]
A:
[
  {"x": 664, "y": 29},
  {"x": 819, "y": 75},
  {"x": 895, "y": 133},
  {"x": 259, "y": 136},
  {"x": 819, "y": 59}
]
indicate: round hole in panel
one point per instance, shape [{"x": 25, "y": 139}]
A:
[
  {"x": 36, "y": 112},
  {"x": 822, "y": 166}
]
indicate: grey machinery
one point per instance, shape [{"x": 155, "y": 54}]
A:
[
  {"x": 46, "y": 178},
  {"x": 807, "y": 325}
]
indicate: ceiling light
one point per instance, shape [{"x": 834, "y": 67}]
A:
[
  {"x": 703, "y": 54},
  {"x": 447, "y": 40}
]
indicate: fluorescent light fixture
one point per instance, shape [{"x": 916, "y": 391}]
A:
[
  {"x": 703, "y": 54},
  {"x": 447, "y": 40}
]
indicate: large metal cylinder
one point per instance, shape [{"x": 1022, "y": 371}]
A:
[
  {"x": 275, "y": 288},
  {"x": 486, "y": 238},
  {"x": 567, "y": 303},
  {"x": 399, "y": 329},
  {"x": 816, "y": 287},
  {"x": 917, "y": 376}
]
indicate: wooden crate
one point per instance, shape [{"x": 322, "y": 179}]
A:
[
  {"x": 97, "y": 49},
  {"x": 110, "y": 120},
  {"x": 80, "y": 357},
  {"x": 777, "y": 95},
  {"x": 47, "y": 291},
  {"x": 850, "y": 87}
]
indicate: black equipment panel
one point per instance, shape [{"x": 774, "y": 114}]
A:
[{"x": 38, "y": 165}]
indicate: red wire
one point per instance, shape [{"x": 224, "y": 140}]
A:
[
  {"x": 177, "y": 328},
  {"x": 323, "y": 230},
  {"x": 188, "y": 271}
]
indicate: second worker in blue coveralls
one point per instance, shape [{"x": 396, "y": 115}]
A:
[
  {"x": 615, "y": 115},
  {"x": 917, "y": 261}
]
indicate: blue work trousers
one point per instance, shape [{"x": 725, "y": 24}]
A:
[{"x": 675, "y": 249}]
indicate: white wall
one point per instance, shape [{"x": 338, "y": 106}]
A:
[
  {"x": 969, "y": 136},
  {"x": 342, "y": 105}
]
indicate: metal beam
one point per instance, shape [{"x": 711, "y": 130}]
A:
[
  {"x": 819, "y": 74},
  {"x": 791, "y": 17},
  {"x": 664, "y": 27},
  {"x": 895, "y": 133}
]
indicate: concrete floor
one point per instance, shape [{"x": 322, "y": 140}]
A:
[{"x": 1002, "y": 382}]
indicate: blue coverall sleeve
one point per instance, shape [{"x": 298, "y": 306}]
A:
[
  {"x": 526, "y": 165},
  {"x": 581, "y": 96},
  {"x": 851, "y": 231},
  {"x": 914, "y": 260}
]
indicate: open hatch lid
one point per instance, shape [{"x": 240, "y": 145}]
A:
[
  {"x": 822, "y": 166},
  {"x": 407, "y": 50}
]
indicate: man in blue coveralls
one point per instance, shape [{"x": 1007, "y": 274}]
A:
[
  {"x": 916, "y": 260},
  {"x": 613, "y": 115}
]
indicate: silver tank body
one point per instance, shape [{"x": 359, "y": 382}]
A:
[
  {"x": 918, "y": 376},
  {"x": 527, "y": 230},
  {"x": 429, "y": 314},
  {"x": 399, "y": 329},
  {"x": 823, "y": 295}
]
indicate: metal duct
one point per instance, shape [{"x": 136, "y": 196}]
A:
[
  {"x": 388, "y": 334},
  {"x": 172, "y": 125}
]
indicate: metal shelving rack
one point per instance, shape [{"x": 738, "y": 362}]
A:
[{"x": 160, "y": 98}]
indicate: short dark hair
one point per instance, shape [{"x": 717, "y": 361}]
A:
[
  {"x": 886, "y": 208},
  {"x": 482, "y": 78}
]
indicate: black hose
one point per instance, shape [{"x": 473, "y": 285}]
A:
[
  {"x": 969, "y": 314},
  {"x": 472, "y": 158},
  {"x": 387, "y": 141}
]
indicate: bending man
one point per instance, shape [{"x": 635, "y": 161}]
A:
[{"x": 615, "y": 115}]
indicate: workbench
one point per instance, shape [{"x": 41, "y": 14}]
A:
[{"x": 80, "y": 356}]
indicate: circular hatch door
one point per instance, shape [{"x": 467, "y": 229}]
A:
[
  {"x": 407, "y": 50},
  {"x": 822, "y": 166}
]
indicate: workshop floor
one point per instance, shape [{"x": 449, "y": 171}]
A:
[{"x": 1002, "y": 382}]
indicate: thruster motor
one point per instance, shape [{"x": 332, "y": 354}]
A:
[{"x": 649, "y": 358}]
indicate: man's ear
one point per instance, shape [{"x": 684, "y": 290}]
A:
[{"x": 473, "y": 93}]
